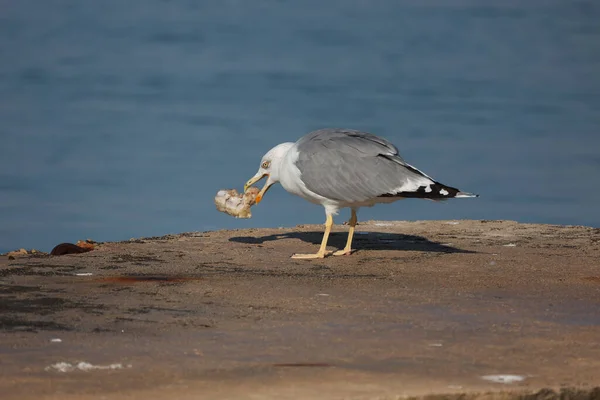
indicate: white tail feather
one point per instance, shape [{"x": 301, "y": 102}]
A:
[{"x": 465, "y": 194}]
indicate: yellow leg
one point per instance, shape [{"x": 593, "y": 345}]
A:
[
  {"x": 322, "y": 250},
  {"x": 348, "y": 249}
]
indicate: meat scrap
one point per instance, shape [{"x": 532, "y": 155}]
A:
[{"x": 236, "y": 204}]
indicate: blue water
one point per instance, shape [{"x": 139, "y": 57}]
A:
[{"x": 122, "y": 119}]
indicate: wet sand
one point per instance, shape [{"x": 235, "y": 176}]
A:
[{"x": 421, "y": 308}]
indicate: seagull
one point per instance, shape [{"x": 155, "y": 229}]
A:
[{"x": 340, "y": 168}]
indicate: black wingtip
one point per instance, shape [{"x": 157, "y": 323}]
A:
[{"x": 433, "y": 191}]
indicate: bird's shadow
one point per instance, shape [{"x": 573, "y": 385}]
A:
[{"x": 362, "y": 241}]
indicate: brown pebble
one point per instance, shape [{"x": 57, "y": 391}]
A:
[
  {"x": 302, "y": 365},
  {"x": 67, "y": 248}
]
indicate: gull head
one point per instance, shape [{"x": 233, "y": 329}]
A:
[{"x": 269, "y": 167}]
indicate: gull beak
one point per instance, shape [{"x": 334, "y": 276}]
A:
[{"x": 255, "y": 179}]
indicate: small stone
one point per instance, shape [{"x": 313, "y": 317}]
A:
[
  {"x": 85, "y": 245},
  {"x": 16, "y": 253}
]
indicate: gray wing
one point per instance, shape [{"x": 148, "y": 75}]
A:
[{"x": 353, "y": 166}]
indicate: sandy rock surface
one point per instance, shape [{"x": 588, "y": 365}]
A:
[{"x": 436, "y": 307}]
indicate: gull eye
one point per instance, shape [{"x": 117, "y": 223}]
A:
[{"x": 265, "y": 165}]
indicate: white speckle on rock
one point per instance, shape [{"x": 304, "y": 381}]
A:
[
  {"x": 55, "y": 340},
  {"x": 84, "y": 274},
  {"x": 503, "y": 378},
  {"x": 510, "y": 245},
  {"x": 382, "y": 224},
  {"x": 452, "y": 223},
  {"x": 435, "y": 344},
  {"x": 82, "y": 366}
]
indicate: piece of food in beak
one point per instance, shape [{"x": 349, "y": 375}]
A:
[{"x": 236, "y": 204}]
